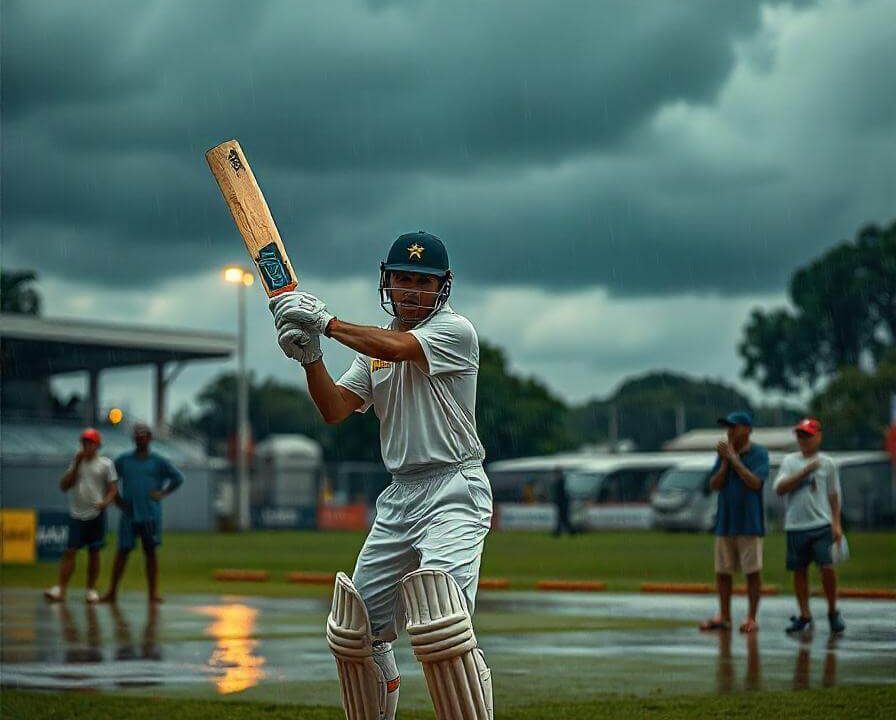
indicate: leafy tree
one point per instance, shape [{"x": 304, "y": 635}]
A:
[
  {"x": 516, "y": 416},
  {"x": 647, "y": 409},
  {"x": 844, "y": 311},
  {"x": 854, "y": 408},
  {"x": 779, "y": 350},
  {"x": 17, "y": 294},
  {"x": 274, "y": 407}
]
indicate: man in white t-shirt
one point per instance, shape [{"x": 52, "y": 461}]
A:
[
  {"x": 810, "y": 485},
  {"x": 90, "y": 482},
  {"x": 423, "y": 553}
]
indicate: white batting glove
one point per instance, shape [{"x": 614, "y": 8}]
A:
[
  {"x": 299, "y": 345},
  {"x": 300, "y": 308}
]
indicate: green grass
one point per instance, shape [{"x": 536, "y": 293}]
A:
[
  {"x": 622, "y": 559},
  {"x": 869, "y": 703}
]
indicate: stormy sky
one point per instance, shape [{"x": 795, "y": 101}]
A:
[{"x": 618, "y": 183}]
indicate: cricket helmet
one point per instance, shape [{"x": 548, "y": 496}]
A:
[{"x": 419, "y": 252}]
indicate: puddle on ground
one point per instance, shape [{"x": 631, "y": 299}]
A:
[{"x": 274, "y": 649}]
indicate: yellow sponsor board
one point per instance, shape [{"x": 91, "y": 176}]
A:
[{"x": 19, "y": 531}]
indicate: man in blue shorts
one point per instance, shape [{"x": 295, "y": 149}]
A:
[
  {"x": 145, "y": 478},
  {"x": 810, "y": 485},
  {"x": 90, "y": 484}
]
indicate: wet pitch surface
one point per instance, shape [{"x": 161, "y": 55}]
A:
[{"x": 542, "y": 647}]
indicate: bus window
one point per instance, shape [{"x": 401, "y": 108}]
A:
[{"x": 610, "y": 489}]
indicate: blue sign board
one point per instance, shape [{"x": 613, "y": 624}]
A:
[{"x": 52, "y": 534}]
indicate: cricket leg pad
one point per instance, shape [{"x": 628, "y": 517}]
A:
[
  {"x": 367, "y": 671},
  {"x": 441, "y": 632}
]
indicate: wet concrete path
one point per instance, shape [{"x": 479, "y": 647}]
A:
[{"x": 273, "y": 648}]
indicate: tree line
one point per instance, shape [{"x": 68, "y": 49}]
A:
[{"x": 835, "y": 345}]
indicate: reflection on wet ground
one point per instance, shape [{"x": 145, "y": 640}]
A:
[
  {"x": 273, "y": 648},
  {"x": 235, "y": 651}
]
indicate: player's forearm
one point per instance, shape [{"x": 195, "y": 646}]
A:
[
  {"x": 790, "y": 483},
  {"x": 111, "y": 492},
  {"x": 745, "y": 474},
  {"x": 68, "y": 480},
  {"x": 390, "y": 345},
  {"x": 834, "y": 500},
  {"x": 173, "y": 484},
  {"x": 717, "y": 481},
  {"x": 326, "y": 394}
]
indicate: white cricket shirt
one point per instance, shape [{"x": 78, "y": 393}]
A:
[{"x": 427, "y": 418}]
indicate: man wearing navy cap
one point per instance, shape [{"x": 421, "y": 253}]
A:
[
  {"x": 738, "y": 475},
  {"x": 419, "y": 567}
]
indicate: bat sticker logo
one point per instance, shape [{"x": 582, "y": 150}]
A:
[
  {"x": 234, "y": 160},
  {"x": 273, "y": 271}
]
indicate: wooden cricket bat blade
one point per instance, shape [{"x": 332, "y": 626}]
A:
[{"x": 252, "y": 216}]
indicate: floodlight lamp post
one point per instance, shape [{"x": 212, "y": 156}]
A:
[{"x": 243, "y": 279}]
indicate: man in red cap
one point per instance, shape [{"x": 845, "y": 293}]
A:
[
  {"x": 90, "y": 482},
  {"x": 810, "y": 485}
]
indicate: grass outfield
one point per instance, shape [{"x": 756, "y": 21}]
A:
[
  {"x": 622, "y": 559},
  {"x": 868, "y": 703}
]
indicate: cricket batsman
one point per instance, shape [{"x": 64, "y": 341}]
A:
[{"x": 421, "y": 560}]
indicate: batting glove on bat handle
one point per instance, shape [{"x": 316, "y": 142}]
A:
[
  {"x": 300, "y": 308},
  {"x": 299, "y": 345}
]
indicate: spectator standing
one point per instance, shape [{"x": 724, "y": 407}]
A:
[{"x": 90, "y": 484}]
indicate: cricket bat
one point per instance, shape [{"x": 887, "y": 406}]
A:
[{"x": 252, "y": 216}]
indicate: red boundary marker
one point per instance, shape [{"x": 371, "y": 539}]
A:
[
  {"x": 571, "y": 585},
  {"x": 677, "y": 588},
  {"x": 766, "y": 590},
  {"x": 493, "y": 583},
  {"x": 867, "y": 594},
  {"x": 242, "y": 575},
  {"x": 862, "y": 593},
  {"x": 311, "y": 578}
]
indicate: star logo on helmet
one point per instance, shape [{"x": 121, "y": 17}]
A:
[{"x": 415, "y": 251}]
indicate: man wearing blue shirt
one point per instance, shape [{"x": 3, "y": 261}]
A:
[
  {"x": 738, "y": 475},
  {"x": 145, "y": 478}
]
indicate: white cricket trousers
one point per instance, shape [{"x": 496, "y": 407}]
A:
[{"x": 435, "y": 520}]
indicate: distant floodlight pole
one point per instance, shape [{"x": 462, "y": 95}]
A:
[{"x": 243, "y": 279}]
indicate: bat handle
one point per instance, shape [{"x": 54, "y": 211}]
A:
[{"x": 285, "y": 289}]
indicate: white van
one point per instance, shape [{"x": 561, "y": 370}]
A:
[
  {"x": 683, "y": 500},
  {"x": 605, "y": 490},
  {"x": 615, "y": 491}
]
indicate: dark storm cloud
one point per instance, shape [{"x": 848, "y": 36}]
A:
[
  {"x": 331, "y": 86},
  {"x": 520, "y": 132}
]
